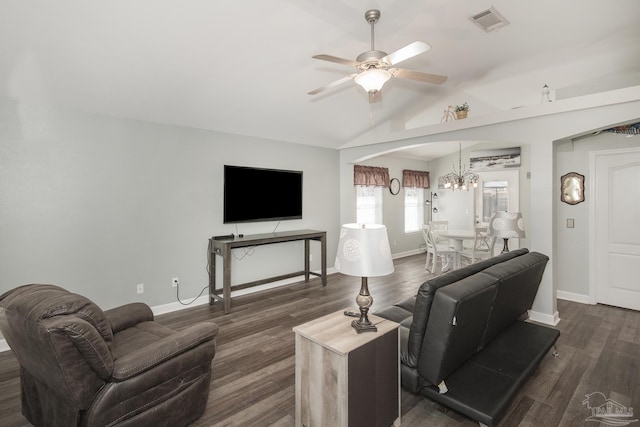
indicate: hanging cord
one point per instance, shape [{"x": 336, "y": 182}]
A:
[
  {"x": 203, "y": 289},
  {"x": 190, "y": 302},
  {"x": 247, "y": 251}
]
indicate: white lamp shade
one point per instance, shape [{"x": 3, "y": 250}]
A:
[
  {"x": 372, "y": 80},
  {"x": 507, "y": 225},
  {"x": 363, "y": 250}
]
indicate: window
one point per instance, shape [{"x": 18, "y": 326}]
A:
[
  {"x": 369, "y": 204},
  {"x": 495, "y": 197},
  {"x": 413, "y": 209}
]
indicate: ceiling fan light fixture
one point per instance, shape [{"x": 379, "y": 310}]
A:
[{"x": 373, "y": 79}]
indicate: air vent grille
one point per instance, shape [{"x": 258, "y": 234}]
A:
[{"x": 489, "y": 20}]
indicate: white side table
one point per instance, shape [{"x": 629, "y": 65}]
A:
[{"x": 344, "y": 378}]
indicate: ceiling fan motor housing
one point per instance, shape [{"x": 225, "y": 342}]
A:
[{"x": 372, "y": 58}]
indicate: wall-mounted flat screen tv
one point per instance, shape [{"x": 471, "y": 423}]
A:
[{"x": 257, "y": 194}]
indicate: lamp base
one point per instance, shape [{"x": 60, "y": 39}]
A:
[
  {"x": 364, "y": 301},
  {"x": 363, "y": 327},
  {"x": 505, "y": 248}
]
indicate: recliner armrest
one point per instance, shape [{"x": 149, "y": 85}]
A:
[
  {"x": 128, "y": 315},
  {"x": 164, "y": 349}
]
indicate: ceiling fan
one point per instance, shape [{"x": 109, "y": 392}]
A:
[{"x": 375, "y": 67}]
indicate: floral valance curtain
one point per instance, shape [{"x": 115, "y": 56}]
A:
[
  {"x": 370, "y": 176},
  {"x": 419, "y": 179}
]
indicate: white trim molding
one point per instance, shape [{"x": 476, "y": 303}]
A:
[
  {"x": 571, "y": 296},
  {"x": 547, "y": 319}
]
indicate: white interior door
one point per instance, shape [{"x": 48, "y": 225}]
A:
[
  {"x": 615, "y": 227},
  {"x": 502, "y": 181}
]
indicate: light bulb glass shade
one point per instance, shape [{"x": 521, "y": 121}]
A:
[
  {"x": 507, "y": 225},
  {"x": 372, "y": 80},
  {"x": 363, "y": 250},
  {"x": 461, "y": 178}
]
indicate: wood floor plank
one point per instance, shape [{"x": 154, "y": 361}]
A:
[{"x": 253, "y": 370}]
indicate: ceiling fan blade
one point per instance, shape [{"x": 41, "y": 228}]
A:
[
  {"x": 404, "y": 53},
  {"x": 337, "y": 60},
  {"x": 418, "y": 76},
  {"x": 330, "y": 85}
]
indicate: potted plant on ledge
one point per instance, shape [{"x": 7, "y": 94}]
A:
[{"x": 461, "y": 111}]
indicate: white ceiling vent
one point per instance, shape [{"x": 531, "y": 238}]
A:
[{"x": 489, "y": 20}]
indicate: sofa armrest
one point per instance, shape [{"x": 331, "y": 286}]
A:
[
  {"x": 164, "y": 349},
  {"x": 128, "y": 315}
]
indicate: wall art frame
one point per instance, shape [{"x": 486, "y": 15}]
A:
[{"x": 572, "y": 188}]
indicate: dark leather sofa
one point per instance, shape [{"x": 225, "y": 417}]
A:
[
  {"x": 80, "y": 366},
  {"x": 465, "y": 341}
]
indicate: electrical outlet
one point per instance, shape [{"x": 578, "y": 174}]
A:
[
  {"x": 140, "y": 288},
  {"x": 310, "y": 257},
  {"x": 174, "y": 282}
]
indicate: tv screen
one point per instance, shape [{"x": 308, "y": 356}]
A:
[{"x": 256, "y": 194}]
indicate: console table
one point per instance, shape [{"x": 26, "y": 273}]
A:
[
  {"x": 223, "y": 247},
  {"x": 344, "y": 378}
]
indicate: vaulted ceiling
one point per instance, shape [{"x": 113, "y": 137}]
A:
[{"x": 245, "y": 67}]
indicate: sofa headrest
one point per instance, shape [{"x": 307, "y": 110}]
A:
[
  {"x": 37, "y": 302},
  {"x": 456, "y": 325},
  {"x": 518, "y": 282},
  {"x": 60, "y": 338},
  {"x": 427, "y": 290}
]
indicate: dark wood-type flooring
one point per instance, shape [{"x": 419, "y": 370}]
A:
[{"x": 253, "y": 370}]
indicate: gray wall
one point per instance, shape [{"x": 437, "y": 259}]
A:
[
  {"x": 393, "y": 205},
  {"x": 572, "y": 244},
  {"x": 458, "y": 207},
  {"x": 99, "y": 204}
]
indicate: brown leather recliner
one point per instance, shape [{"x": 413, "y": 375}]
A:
[{"x": 80, "y": 366}]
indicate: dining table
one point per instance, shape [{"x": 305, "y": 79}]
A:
[{"x": 457, "y": 236}]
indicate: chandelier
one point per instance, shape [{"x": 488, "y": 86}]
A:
[{"x": 461, "y": 179}]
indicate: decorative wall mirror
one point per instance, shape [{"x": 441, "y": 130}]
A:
[
  {"x": 394, "y": 186},
  {"x": 572, "y": 188}
]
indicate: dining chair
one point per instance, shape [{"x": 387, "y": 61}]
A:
[
  {"x": 435, "y": 250},
  {"x": 483, "y": 244},
  {"x": 439, "y": 226}
]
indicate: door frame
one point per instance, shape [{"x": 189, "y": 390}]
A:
[{"x": 593, "y": 204}]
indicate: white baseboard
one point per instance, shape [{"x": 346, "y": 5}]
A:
[
  {"x": 407, "y": 253},
  {"x": 204, "y": 299},
  {"x": 570, "y": 296},
  {"x": 547, "y": 319}
]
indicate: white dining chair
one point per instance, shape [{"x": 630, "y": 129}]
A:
[
  {"x": 437, "y": 226},
  {"x": 434, "y": 251},
  {"x": 483, "y": 245}
]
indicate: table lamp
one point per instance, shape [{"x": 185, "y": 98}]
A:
[
  {"x": 363, "y": 250},
  {"x": 506, "y": 225}
]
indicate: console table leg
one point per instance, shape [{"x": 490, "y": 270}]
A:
[
  {"x": 306, "y": 260},
  {"x": 226, "y": 281},
  {"x": 212, "y": 277},
  {"x": 323, "y": 256}
]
